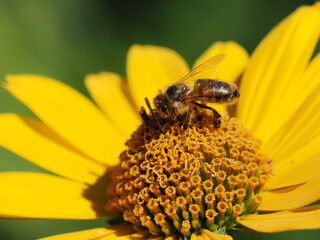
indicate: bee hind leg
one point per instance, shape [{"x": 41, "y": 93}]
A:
[{"x": 216, "y": 115}]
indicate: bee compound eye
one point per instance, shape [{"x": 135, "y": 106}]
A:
[
  {"x": 164, "y": 108},
  {"x": 171, "y": 90}
]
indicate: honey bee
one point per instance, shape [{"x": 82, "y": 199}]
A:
[{"x": 195, "y": 90}]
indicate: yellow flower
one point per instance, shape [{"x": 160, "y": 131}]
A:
[{"x": 81, "y": 142}]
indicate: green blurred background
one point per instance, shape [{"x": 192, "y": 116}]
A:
[{"x": 67, "y": 39}]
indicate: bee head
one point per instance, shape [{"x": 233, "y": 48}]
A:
[
  {"x": 162, "y": 104},
  {"x": 173, "y": 91}
]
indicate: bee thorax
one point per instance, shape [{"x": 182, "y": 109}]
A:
[{"x": 181, "y": 108}]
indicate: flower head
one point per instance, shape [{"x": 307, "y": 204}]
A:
[
  {"x": 258, "y": 171},
  {"x": 190, "y": 178}
]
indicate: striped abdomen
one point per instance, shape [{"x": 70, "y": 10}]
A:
[{"x": 213, "y": 91}]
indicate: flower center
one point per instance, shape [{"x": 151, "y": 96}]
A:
[{"x": 187, "y": 177}]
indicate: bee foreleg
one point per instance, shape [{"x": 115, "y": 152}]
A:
[
  {"x": 144, "y": 116},
  {"x": 216, "y": 115},
  {"x": 155, "y": 116}
]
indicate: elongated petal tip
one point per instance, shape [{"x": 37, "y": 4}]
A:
[
  {"x": 273, "y": 79},
  {"x": 283, "y": 221},
  {"x": 107, "y": 90},
  {"x": 39, "y": 195},
  {"x": 70, "y": 114},
  {"x": 120, "y": 231}
]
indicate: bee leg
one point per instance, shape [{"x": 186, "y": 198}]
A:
[
  {"x": 153, "y": 114},
  {"x": 186, "y": 120},
  {"x": 189, "y": 117},
  {"x": 216, "y": 115},
  {"x": 144, "y": 116}
]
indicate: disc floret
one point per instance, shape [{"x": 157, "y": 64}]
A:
[{"x": 185, "y": 177}]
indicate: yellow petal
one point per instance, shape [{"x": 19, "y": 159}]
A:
[
  {"x": 175, "y": 237},
  {"x": 296, "y": 146},
  {"x": 206, "y": 234},
  {"x": 91, "y": 234},
  {"x": 300, "y": 173},
  {"x": 70, "y": 114},
  {"x": 303, "y": 125},
  {"x": 36, "y": 142},
  {"x": 125, "y": 231},
  {"x": 94, "y": 234},
  {"x": 282, "y": 221},
  {"x": 150, "y": 68},
  {"x": 297, "y": 131},
  {"x": 107, "y": 91},
  {"x": 196, "y": 236},
  {"x": 272, "y": 83},
  {"x": 299, "y": 197},
  {"x": 38, "y": 195},
  {"x": 235, "y": 61},
  {"x": 299, "y": 157}
]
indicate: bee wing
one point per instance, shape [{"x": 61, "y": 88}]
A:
[{"x": 205, "y": 70}]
